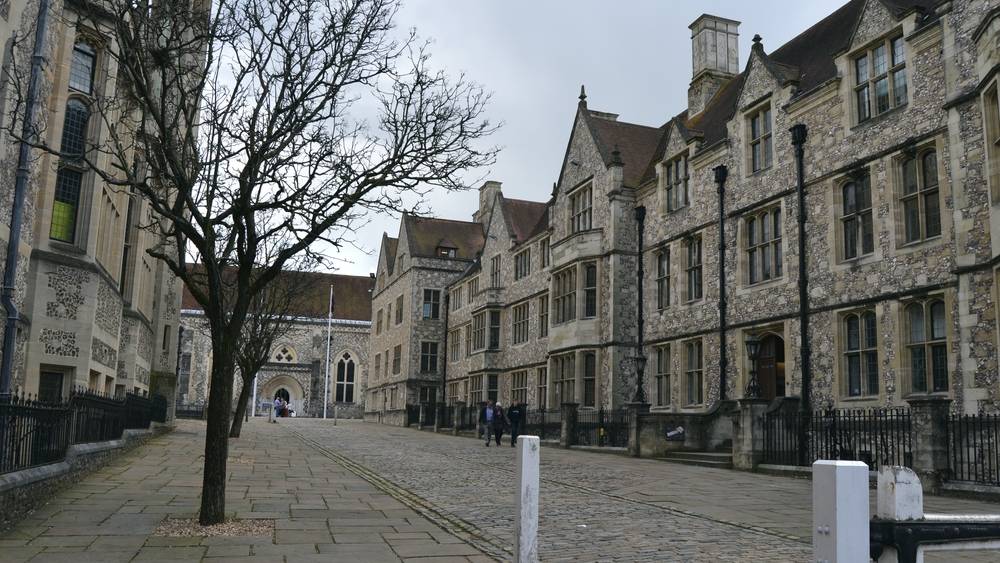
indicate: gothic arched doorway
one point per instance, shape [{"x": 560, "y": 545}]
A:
[
  {"x": 283, "y": 393},
  {"x": 771, "y": 367}
]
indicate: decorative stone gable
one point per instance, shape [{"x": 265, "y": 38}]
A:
[
  {"x": 759, "y": 82},
  {"x": 875, "y": 21}
]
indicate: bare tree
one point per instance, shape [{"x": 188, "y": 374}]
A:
[
  {"x": 260, "y": 131},
  {"x": 273, "y": 314}
]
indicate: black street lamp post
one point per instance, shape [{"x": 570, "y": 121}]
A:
[
  {"x": 640, "y": 371},
  {"x": 753, "y": 351}
]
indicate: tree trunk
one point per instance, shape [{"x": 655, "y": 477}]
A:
[
  {"x": 220, "y": 400},
  {"x": 241, "y": 408}
]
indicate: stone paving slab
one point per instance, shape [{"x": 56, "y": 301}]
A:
[{"x": 322, "y": 511}]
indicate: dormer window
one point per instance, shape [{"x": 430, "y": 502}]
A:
[
  {"x": 677, "y": 183},
  {"x": 761, "y": 151},
  {"x": 446, "y": 252},
  {"x": 880, "y": 78},
  {"x": 581, "y": 202}
]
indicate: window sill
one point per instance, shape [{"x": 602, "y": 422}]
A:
[
  {"x": 765, "y": 283},
  {"x": 861, "y": 399},
  {"x": 762, "y": 171},
  {"x": 917, "y": 245},
  {"x": 67, "y": 247},
  {"x": 859, "y": 261}
]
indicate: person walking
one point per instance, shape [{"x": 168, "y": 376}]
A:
[
  {"x": 277, "y": 409},
  {"x": 515, "y": 414},
  {"x": 486, "y": 420},
  {"x": 500, "y": 423}
]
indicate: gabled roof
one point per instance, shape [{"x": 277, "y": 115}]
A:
[
  {"x": 525, "y": 219},
  {"x": 351, "y": 295},
  {"x": 425, "y": 235},
  {"x": 636, "y": 143},
  {"x": 390, "y": 245}
]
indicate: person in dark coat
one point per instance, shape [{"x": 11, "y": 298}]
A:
[
  {"x": 515, "y": 414},
  {"x": 500, "y": 423}
]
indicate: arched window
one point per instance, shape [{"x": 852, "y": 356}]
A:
[
  {"x": 927, "y": 348},
  {"x": 81, "y": 72},
  {"x": 284, "y": 354},
  {"x": 74, "y": 136},
  {"x": 861, "y": 354},
  {"x": 920, "y": 201},
  {"x": 345, "y": 379}
]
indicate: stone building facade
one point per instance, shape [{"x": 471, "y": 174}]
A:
[
  {"x": 297, "y": 367},
  {"x": 95, "y": 310},
  {"x": 894, "y": 104},
  {"x": 409, "y": 312}
]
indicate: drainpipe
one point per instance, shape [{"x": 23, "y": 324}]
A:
[
  {"x": 28, "y": 134},
  {"x": 444, "y": 353},
  {"x": 721, "y": 173},
  {"x": 798, "y": 141},
  {"x": 640, "y": 392}
]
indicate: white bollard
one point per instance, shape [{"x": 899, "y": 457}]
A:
[
  {"x": 840, "y": 511},
  {"x": 526, "y": 523},
  {"x": 899, "y": 497}
]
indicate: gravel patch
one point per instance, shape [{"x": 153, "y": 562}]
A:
[{"x": 189, "y": 527}]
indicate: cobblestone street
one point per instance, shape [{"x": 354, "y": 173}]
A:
[{"x": 368, "y": 493}]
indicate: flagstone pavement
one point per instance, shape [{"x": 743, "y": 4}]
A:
[{"x": 370, "y": 493}]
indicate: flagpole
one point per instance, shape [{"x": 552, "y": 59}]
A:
[{"x": 329, "y": 328}]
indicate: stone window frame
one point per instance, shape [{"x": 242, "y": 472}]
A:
[
  {"x": 754, "y": 247},
  {"x": 588, "y": 377},
  {"x": 492, "y": 387},
  {"x": 589, "y": 287},
  {"x": 930, "y": 345},
  {"x": 564, "y": 287},
  {"x": 518, "y": 387},
  {"x": 522, "y": 264},
  {"x": 581, "y": 208},
  {"x": 473, "y": 286},
  {"x": 663, "y": 278},
  {"x": 385, "y": 368},
  {"x": 544, "y": 252},
  {"x": 399, "y": 309},
  {"x": 495, "y": 334},
  {"x": 429, "y": 356},
  {"x": 676, "y": 183},
  {"x": 496, "y": 273},
  {"x": 452, "y": 393},
  {"x": 479, "y": 331},
  {"x": 346, "y": 386},
  {"x": 991, "y": 133},
  {"x": 841, "y": 218},
  {"x": 431, "y": 307},
  {"x": 455, "y": 300},
  {"x": 663, "y": 377},
  {"x": 454, "y": 345},
  {"x": 397, "y": 357},
  {"x": 917, "y": 155},
  {"x": 694, "y": 271},
  {"x": 519, "y": 321},
  {"x": 475, "y": 389},
  {"x": 564, "y": 366},
  {"x": 864, "y": 349},
  {"x": 468, "y": 339},
  {"x": 694, "y": 373},
  {"x": 378, "y": 322},
  {"x": 543, "y": 315},
  {"x": 284, "y": 354},
  {"x": 378, "y": 366},
  {"x": 542, "y": 382},
  {"x": 868, "y": 83},
  {"x": 760, "y": 135}
]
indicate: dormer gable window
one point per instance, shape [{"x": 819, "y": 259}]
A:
[
  {"x": 676, "y": 182},
  {"x": 446, "y": 252},
  {"x": 880, "y": 78}
]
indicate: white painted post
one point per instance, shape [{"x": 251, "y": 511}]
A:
[
  {"x": 899, "y": 497},
  {"x": 840, "y": 511},
  {"x": 526, "y": 523}
]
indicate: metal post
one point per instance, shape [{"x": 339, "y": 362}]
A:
[
  {"x": 253, "y": 407},
  {"x": 721, "y": 173},
  {"x": 798, "y": 141},
  {"x": 329, "y": 329},
  {"x": 640, "y": 364},
  {"x": 28, "y": 133}
]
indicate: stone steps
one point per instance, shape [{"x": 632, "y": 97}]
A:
[{"x": 718, "y": 460}]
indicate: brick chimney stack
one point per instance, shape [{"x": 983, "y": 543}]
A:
[
  {"x": 488, "y": 193},
  {"x": 714, "y": 57}
]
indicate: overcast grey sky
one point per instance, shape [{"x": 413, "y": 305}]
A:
[{"x": 633, "y": 55}]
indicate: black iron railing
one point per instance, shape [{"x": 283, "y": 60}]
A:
[
  {"x": 974, "y": 448},
  {"x": 468, "y": 417},
  {"x": 603, "y": 428},
  {"x": 34, "y": 433},
  {"x": 430, "y": 414},
  {"x": 547, "y": 425},
  {"x": 875, "y": 436},
  {"x": 412, "y": 415},
  {"x": 191, "y": 410},
  {"x": 447, "y": 414}
]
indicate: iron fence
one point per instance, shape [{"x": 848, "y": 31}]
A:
[
  {"x": 32, "y": 433},
  {"x": 875, "y": 436},
  {"x": 447, "y": 414},
  {"x": 547, "y": 425},
  {"x": 430, "y": 414},
  {"x": 603, "y": 428},
  {"x": 468, "y": 417},
  {"x": 974, "y": 448},
  {"x": 191, "y": 410}
]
